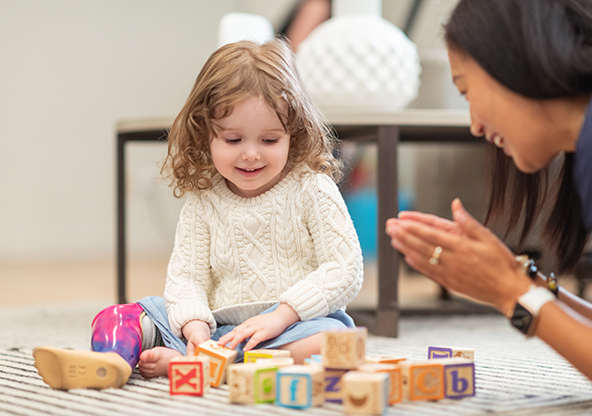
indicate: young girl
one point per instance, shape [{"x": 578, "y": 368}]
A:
[
  {"x": 526, "y": 69},
  {"x": 265, "y": 254}
]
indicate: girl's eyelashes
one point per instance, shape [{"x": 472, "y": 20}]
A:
[
  {"x": 238, "y": 140},
  {"x": 232, "y": 140}
]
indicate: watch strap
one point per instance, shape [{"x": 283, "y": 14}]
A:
[{"x": 535, "y": 298}]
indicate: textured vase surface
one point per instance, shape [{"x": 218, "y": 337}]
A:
[{"x": 359, "y": 61}]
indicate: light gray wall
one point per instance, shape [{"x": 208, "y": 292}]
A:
[{"x": 69, "y": 70}]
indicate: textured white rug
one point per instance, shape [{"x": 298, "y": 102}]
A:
[{"x": 513, "y": 376}]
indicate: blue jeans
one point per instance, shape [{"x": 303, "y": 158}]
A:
[{"x": 155, "y": 309}]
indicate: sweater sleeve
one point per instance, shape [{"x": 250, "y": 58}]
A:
[
  {"x": 339, "y": 275},
  {"x": 188, "y": 277}
]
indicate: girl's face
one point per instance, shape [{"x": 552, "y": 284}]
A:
[
  {"x": 519, "y": 125},
  {"x": 251, "y": 149}
]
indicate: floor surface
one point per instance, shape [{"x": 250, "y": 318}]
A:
[{"x": 514, "y": 376}]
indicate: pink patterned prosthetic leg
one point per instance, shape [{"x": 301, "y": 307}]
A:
[{"x": 118, "y": 329}]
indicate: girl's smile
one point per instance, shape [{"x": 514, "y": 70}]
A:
[{"x": 249, "y": 173}]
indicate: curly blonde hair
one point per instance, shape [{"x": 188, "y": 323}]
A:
[{"x": 233, "y": 73}]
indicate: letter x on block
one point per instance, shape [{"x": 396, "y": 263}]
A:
[{"x": 186, "y": 378}]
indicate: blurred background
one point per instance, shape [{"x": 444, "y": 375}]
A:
[{"x": 72, "y": 69}]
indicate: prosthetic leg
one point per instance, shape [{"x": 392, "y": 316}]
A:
[
  {"x": 118, "y": 334},
  {"x": 118, "y": 329}
]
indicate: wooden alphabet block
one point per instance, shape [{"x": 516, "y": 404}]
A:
[
  {"x": 422, "y": 380},
  {"x": 365, "y": 393},
  {"x": 276, "y": 362},
  {"x": 314, "y": 359},
  {"x": 384, "y": 359},
  {"x": 396, "y": 380},
  {"x": 189, "y": 376},
  {"x": 253, "y": 355},
  {"x": 451, "y": 352},
  {"x": 300, "y": 386},
  {"x": 220, "y": 357},
  {"x": 251, "y": 383},
  {"x": 344, "y": 349},
  {"x": 333, "y": 385},
  {"x": 459, "y": 377}
]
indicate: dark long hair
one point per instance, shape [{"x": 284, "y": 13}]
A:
[{"x": 540, "y": 49}]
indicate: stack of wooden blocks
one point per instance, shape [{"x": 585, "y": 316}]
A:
[{"x": 343, "y": 373}]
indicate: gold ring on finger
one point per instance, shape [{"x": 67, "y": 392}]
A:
[{"x": 435, "y": 259}]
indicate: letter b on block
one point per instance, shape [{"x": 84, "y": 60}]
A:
[
  {"x": 459, "y": 380},
  {"x": 459, "y": 385}
]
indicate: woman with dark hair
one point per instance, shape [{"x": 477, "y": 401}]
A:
[{"x": 525, "y": 67}]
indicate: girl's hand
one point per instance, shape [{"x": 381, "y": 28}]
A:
[
  {"x": 261, "y": 328},
  {"x": 195, "y": 332},
  {"x": 473, "y": 260}
]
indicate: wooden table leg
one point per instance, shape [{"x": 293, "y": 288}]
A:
[{"x": 387, "y": 314}]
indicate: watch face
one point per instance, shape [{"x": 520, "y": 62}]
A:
[{"x": 521, "y": 319}]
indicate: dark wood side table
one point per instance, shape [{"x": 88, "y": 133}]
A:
[{"x": 385, "y": 129}]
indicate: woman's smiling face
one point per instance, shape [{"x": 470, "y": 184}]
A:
[{"x": 518, "y": 125}]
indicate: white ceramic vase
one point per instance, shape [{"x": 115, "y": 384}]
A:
[{"x": 358, "y": 60}]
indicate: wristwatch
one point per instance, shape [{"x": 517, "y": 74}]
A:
[{"x": 525, "y": 314}]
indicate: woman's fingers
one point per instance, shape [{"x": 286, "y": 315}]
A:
[
  {"x": 467, "y": 223},
  {"x": 424, "y": 267},
  {"x": 433, "y": 237},
  {"x": 407, "y": 242},
  {"x": 428, "y": 219},
  {"x": 473, "y": 262},
  {"x": 432, "y": 226},
  {"x": 391, "y": 222},
  {"x": 422, "y": 242},
  {"x": 426, "y": 248}
]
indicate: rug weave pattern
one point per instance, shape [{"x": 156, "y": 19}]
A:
[{"x": 514, "y": 376}]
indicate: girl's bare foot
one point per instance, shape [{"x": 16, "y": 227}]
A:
[
  {"x": 155, "y": 362},
  {"x": 304, "y": 348}
]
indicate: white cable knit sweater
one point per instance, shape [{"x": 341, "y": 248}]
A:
[{"x": 234, "y": 257}]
